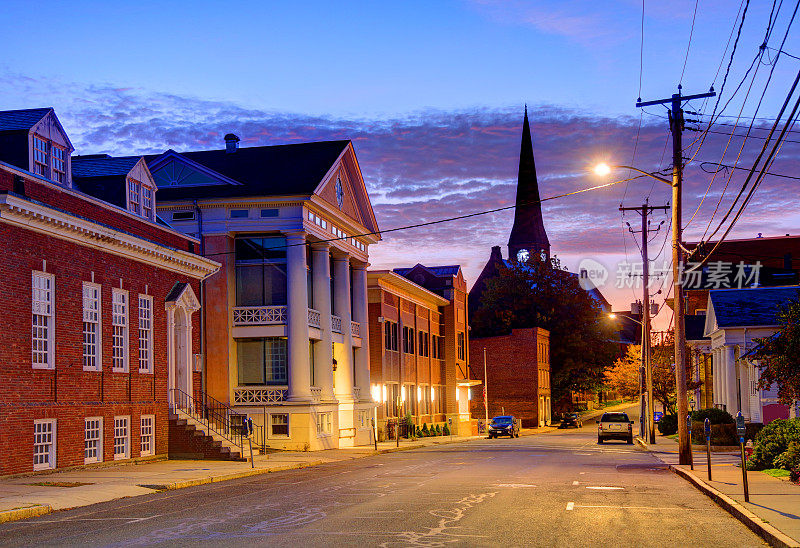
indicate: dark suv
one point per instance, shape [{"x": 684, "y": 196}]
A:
[
  {"x": 615, "y": 426},
  {"x": 504, "y": 425}
]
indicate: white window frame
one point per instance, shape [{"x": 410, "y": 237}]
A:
[
  {"x": 134, "y": 196},
  {"x": 147, "y": 440},
  {"x": 324, "y": 422},
  {"x": 43, "y": 306},
  {"x": 120, "y": 327},
  {"x": 52, "y": 450},
  {"x": 119, "y": 423},
  {"x": 272, "y": 436},
  {"x": 148, "y": 202},
  {"x": 58, "y": 175},
  {"x": 98, "y": 447},
  {"x": 145, "y": 334},
  {"x": 44, "y": 171},
  {"x": 92, "y": 316}
]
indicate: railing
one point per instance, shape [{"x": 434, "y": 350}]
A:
[
  {"x": 243, "y": 395},
  {"x": 355, "y": 327},
  {"x": 216, "y": 416},
  {"x": 316, "y": 393},
  {"x": 259, "y": 315},
  {"x": 406, "y": 430},
  {"x": 336, "y": 324},
  {"x": 314, "y": 318}
]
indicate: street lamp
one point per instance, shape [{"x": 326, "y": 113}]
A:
[{"x": 677, "y": 292}]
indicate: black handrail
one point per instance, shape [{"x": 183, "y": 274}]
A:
[{"x": 212, "y": 414}]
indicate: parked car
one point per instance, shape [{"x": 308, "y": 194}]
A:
[
  {"x": 571, "y": 419},
  {"x": 615, "y": 426},
  {"x": 504, "y": 425}
]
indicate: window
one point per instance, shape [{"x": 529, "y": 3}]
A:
[
  {"x": 40, "y": 150},
  {"x": 183, "y": 215},
  {"x": 93, "y": 440},
  {"x": 408, "y": 340},
  {"x": 44, "y": 444},
  {"x": 122, "y": 438},
  {"x": 423, "y": 344},
  {"x": 145, "y": 334},
  {"x": 262, "y": 361},
  {"x": 91, "y": 327},
  {"x": 119, "y": 323},
  {"x": 362, "y": 419},
  {"x": 390, "y": 335},
  {"x": 134, "y": 190},
  {"x": 147, "y": 203},
  {"x": 147, "y": 436},
  {"x": 424, "y": 397},
  {"x": 239, "y": 213},
  {"x": 461, "y": 349},
  {"x": 324, "y": 423},
  {"x": 437, "y": 343},
  {"x": 279, "y": 425},
  {"x": 269, "y": 212},
  {"x": 260, "y": 271},
  {"x": 59, "y": 158},
  {"x": 43, "y": 325},
  {"x": 438, "y": 399}
]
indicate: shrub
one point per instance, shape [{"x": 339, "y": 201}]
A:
[
  {"x": 425, "y": 431},
  {"x": 419, "y": 432},
  {"x": 446, "y": 430},
  {"x": 438, "y": 430},
  {"x": 789, "y": 459},
  {"x": 773, "y": 440},
  {"x": 714, "y": 416},
  {"x": 668, "y": 425}
]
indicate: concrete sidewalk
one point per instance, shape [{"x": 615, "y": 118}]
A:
[
  {"x": 774, "y": 508},
  {"x": 27, "y": 496}
]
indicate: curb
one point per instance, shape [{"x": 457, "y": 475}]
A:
[
  {"x": 226, "y": 477},
  {"x": 25, "y": 513},
  {"x": 763, "y": 529}
]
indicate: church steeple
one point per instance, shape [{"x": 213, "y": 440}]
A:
[{"x": 528, "y": 231}]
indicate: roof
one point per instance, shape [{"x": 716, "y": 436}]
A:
[
  {"x": 438, "y": 271},
  {"x": 25, "y": 119},
  {"x": 262, "y": 171},
  {"x": 397, "y": 280},
  {"x": 750, "y": 307},
  {"x": 102, "y": 167},
  {"x": 175, "y": 293}
]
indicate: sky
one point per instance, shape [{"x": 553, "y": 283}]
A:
[{"x": 432, "y": 93}]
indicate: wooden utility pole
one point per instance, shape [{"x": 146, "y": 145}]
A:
[
  {"x": 644, "y": 211},
  {"x": 676, "y": 127}
]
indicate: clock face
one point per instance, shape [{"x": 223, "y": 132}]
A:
[
  {"x": 339, "y": 192},
  {"x": 523, "y": 255},
  {"x": 543, "y": 254}
]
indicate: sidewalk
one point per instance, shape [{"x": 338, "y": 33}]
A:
[
  {"x": 36, "y": 494},
  {"x": 774, "y": 508}
]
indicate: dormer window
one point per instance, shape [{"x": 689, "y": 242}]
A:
[
  {"x": 59, "y": 155},
  {"x": 140, "y": 198},
  {"x": 40, "y": 163},
  {"x": 49, "y": 159}
]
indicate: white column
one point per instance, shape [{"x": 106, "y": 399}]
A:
[
  {"x": 341, "y": 288},
  {"x": 297, "y": 311},
  {"x": 730, "y": 380},
  {"x": 361, "y": 315},
  {"x": 323, "y": 350},
  {"x": 718, "y": 376}
]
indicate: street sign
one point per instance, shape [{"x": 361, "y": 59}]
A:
[{"x": 657, "y": 415}]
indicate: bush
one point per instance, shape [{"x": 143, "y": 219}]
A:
[
  {"x": 714, "y": 416},
  {"x": 789, "y": 459},
  {"x": 668, "y": 425},
  {"x": 772, "y": 441},
  {"x": 446, "y": 430},
  {"x": 438, "y": 430},
  {"x": 425, "y": 431},
  {"x": 419, "y": 432}
]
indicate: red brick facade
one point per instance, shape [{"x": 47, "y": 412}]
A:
[{"x": 66, "y": 392}]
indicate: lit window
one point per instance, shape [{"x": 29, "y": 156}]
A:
[
  {"x": 44, "y": 444},
  {"x": 145, "y": 334},
  {"x": 122, "y": 438},
  {"x": 279, "y": 425},
  {"x": 119, "y": 323},
  {"x": 134, "y": 190},
  {"x": 42, "y": 325},
  {"x": 91, "y": 327},
  {"x": 93, "y": 440},
  {"x": 40, "y": 164},
  {"x": 148, "y": 436}
]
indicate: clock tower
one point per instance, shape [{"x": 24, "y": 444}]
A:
[{"x": 528, "y": 237}]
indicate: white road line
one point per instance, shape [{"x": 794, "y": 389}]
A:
[
  {"x": 632, "y": 507},
  {"x": 575, "y": 482},
  {"x": 604, "y": 488},
  {"x": 570, "y": 505}
]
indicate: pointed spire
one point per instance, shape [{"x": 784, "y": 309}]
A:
[{"x": 528, "y": 231}]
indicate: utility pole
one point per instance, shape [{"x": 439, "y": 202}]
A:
[
  {"x": 676, "y": 127},
  {"x": 485, "y": 389},
  {"x": 644, "y": 211}
]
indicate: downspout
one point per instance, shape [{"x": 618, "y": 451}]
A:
[{"x": 199, "y": 213}]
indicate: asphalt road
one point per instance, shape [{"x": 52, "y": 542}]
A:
[{"x": 555, "y": 489}]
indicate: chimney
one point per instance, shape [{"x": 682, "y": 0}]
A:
[
  {"x": 231, "y": 143},
  {"x": 496, "y": 254}
]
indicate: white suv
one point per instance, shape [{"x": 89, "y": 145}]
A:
[{"x": 615, "y": 426}]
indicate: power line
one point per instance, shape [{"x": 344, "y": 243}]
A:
[{"x": 689, "y": 45}]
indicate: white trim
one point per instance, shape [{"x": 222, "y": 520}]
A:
[
  {"x": 165, "y": 157},
  {"x": 99, "y": 448},
  {"x": 127, "y": 438},
  {"x": 268, "y": 426},
  {"x": 45, "y": 220},
  {"x": 120, "y": 298},
  {"x": 46, "y": 309},
  {"x": 53, "y": 445},
  {"x": 146, "y": 364},
  {"x": 98, "y": 322},
  {"x": 152, "y": 436},
  {"x": 321, "y": 431}
]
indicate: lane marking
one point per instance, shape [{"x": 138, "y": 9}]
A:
[
  {"x": 575, "y": 482},
  {"x": 514, "y": 485},
  {"x": 570, "y": 505},
  {"x": 632, "y": 507},
  {"x": 604, "y": 488}
]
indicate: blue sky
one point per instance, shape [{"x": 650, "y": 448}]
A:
[{"x": 431, "y": 94}]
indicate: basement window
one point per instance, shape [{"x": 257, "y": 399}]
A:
[{"x": 183, "y": 215}]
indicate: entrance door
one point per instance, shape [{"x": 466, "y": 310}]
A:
[{"x": 182, "y": 372}]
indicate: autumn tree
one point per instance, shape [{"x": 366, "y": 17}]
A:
[
  {"x": 662, "y": 359},
  {"x": 543, "y": 294},
  {"x": 623, "y": 377},
  {"x": 779, "y": 355}
]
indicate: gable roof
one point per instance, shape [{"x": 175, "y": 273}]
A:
[
  {"x": 295, "y": 169},
  {"x": 21, "y": 120},
  {"x": 98, "y": 166},
  {"x": 747, "y": 307},
  {"x": 438, "y": 271}
]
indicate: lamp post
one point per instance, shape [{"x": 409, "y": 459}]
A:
[{"x": 677, "y": 293}]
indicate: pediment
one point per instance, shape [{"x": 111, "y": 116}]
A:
[
  {"x": 171, "y": 169},
  {"x": 50, "y": 128},
  {"x": 711, "y": 319},
  {"x": 343, "y": 188},
  {"x": 182, "y": 295},
  {"x": 141, "y": 173}
]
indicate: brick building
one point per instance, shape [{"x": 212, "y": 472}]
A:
[
  {"x": 97, "y": 306},
  {"x": 518, "y": 371}
]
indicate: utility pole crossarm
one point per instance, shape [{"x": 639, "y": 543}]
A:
[{"x": 678, "y": 96}]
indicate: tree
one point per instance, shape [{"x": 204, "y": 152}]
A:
[
  {"x": 543, "y": 294},
  {"x": 779, "y": 355},
  {"x": 623, "y": 377},
  {"x": 662, "y": 358}
]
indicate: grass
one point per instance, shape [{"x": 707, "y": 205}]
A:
[{"x": 777, "y": 472}]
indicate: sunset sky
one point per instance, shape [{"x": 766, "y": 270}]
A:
[{"x": 431, "y": 93}]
